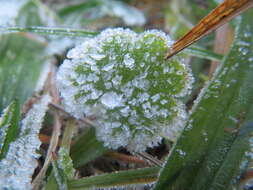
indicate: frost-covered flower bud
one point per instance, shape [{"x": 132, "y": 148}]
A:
[{"x": 123, "y": 79}]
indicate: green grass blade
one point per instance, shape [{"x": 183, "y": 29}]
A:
[
  {"x": 137, "y": 176},
  {"x": 233, "y": 159},
  {"x": 49, "y": 31},
  {"x": 8, "y": 127},
  {"x": 203, "y": 53},
  {"x": 222, "y": 108}
]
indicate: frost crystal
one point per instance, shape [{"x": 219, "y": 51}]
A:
[
  {"x": 122, "y": 78},
  {"x": 111, "y": 100},
  {"x": 17, "y": 167}
]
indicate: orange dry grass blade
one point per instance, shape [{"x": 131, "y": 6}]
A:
[{"x": 219, "y": 16}]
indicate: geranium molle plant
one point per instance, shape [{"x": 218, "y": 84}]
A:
[{"x": 123, "y": 79}]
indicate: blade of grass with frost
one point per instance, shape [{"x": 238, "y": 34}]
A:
[
  {"x": 49, "y": 31},
  {"x": 18, "y": 166},
  {"x": 63, "y": 166},
  {"x": 64, "y": 161},
  {"x": 203, "y": 53},
  {"x": 62, "y": 171},
  {"x": 121, "y": 178},
  {"x": 59, "y": 176},
  {"x": 20, "y": 64},
  {"x": 221, "y": 108},
  {"x": 193, "y": 51},
  {"x": 234, "y": 158},
  {"x": 8, "y": 127}
]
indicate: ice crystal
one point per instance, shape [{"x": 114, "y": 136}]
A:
[
  {"x": 17, "y": 167},
  {"x": 122, "y": 78}
]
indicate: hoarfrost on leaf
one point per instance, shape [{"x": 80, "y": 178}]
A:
[
  {"x": 129, "y": 94},
  {"x": 17, "y": 168}
]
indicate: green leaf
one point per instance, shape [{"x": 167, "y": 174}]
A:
[
  {"x": 20, "y": 64},
  {"x": 86, "y": 148},
  {"x": 8, "y": 127},
  {"x": 137, "y": 176},
  {"x": 202, "y": 152}
]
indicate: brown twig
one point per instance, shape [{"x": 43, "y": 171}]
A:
[
  {"x": 126, "y": 158},
  {"x": 222, "y": 43},
  {"x": 150, "y": 158},
  {"x": 219, "y": 16},
  {"x": 51, "y": 88},
  {"x": 45, "y": 139},
  {"x": 84, "y": 120}
]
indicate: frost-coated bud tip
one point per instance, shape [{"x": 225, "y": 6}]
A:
[{"x": 122, "y": 78}]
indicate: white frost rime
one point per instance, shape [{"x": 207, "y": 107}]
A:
[{"x": 17, "y": 167}]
